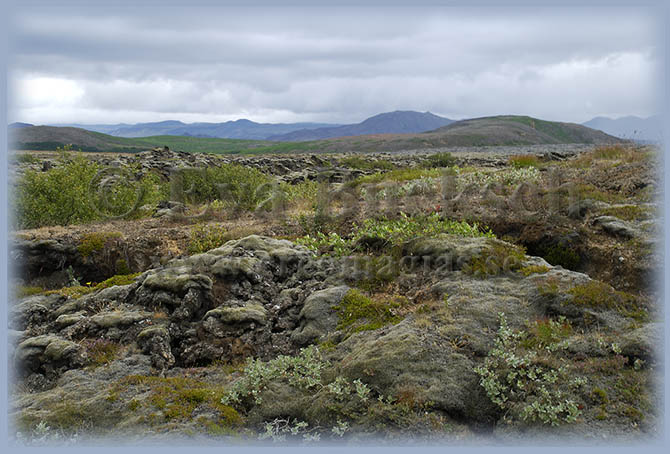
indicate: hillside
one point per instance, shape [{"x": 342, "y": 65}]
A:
[
  {"x": 50, "y": 137},
  {"x": 630, "y": 127},
  {"x": 398, "y": 122},
  {"x": 238, "y": 129},
  {"x": 488, "y": 131}
]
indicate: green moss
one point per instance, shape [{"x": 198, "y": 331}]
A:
[
  {"x": 600, "y": 295},
  {"x": 495, "y": 259},
  {"x": 23, "y": 291},
  {"x": 178, "y": 398},
  {"x": 533, "y": 269},
  {"x": 629, "y": 212},
  {"x": 77, "y": 291},
  {"x": 95, "y": 242},
  {"x": 358, "y": 312},
  {"x": 397, "y": 175},
  {"x": 119, "y": 279}
]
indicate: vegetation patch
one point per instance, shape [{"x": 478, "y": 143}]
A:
[
  {"x": 22, "y": 291},
  {"x": 629, "y": 212},
  {"x": 495, "y": 259},
  {"x": 523, "y": 384},
  {"x": 533, "y": 269},
  {"x": 178, "y": 397},
  {"x": 438, "y": 160},
  {"x": 77, "y": 291},
  {"x": 397, "y": 175},
  {"x": 100, "y": 351},
  {"x": 600, "y": 295},
  {"x": 205, "y": 237},
  {"x": 358, "y": 312},
  {"x": 66, "y": 194},
  {"x": 92, "y": 243},
  {"x": 241, "y": 188},
  {"x": 524, "y": 160}
]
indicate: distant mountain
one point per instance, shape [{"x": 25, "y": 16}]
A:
[
  {"x": 238, "y": 129},
  {"x": 631, "y": 127},
  {"x": 398, "y": 122},
  {"x": 18, "y": 125},
  {"x": 509, "y": 130}
]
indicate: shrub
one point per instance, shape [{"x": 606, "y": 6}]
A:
[
  {"x": 526, "y": 389},
  {"x": 242, "y": 188},
  {"x": 397, "y": 175},
  {"x": 302, "y": 371},
  {"x": 438, "y": 160},
  {"x": 64, "y": 195},
  {"x": 205, "y": 237},
  {"x": 405, "y": 228},
  {"x": 525, "y": 160}
]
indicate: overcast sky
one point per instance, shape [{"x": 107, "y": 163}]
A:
[{"x": 100, "y": 65}]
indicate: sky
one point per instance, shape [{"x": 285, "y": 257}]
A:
[{"x": 95, "y": 65}]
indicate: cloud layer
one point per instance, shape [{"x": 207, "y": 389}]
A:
[{"x": 334, "y": 65}]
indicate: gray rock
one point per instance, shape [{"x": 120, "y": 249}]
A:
[
  {"x": 616, "y": 227},
  {"x": 317, "y": 317}
]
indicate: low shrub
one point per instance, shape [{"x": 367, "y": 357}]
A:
[
  {"x": 521, "y": 385},
  {"x": 67, "y": 194},
  {"x": 242, "y": 188},
  {"x": 438, "y": 160},
  {"x": 205, "y": 237},
  {"x": 522, "y": 161}
]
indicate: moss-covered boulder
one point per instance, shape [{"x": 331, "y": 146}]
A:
[{"x": 318, "y": 317}]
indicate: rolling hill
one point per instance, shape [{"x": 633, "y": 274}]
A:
[
  {"x": 487, "y": 131},
  {"x": 398, "y": 122},
  {"x": 238, "y": 129}
]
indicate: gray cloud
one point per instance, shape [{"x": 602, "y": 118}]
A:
[{"x": 339, "y": 65}]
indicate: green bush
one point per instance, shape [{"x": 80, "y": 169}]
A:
[
  {"x": 405, "y": 228},
  {"x": 240, "y": 187},
  {"x": 522, "y": 385},
  {"x": 205, "y": 237},
  {"x": 439, "y": 160},
  {"x": 525, "y": 160},
  {"x": 64, "y": 195}
]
